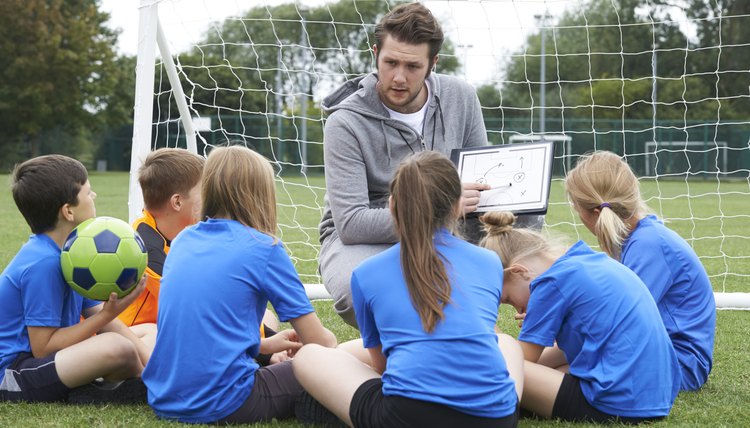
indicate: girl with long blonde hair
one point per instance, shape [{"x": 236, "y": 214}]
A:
[
  {"x": 605, "y": 193},
  {"x": 218, "y": 278}
]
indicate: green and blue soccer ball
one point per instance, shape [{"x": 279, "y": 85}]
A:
[{"x": 101, "y": 256}]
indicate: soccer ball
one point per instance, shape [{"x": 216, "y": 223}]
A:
[{"x": 103, "y": 255}]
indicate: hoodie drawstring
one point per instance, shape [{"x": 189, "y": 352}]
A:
[{"x": 385, "y": 140}]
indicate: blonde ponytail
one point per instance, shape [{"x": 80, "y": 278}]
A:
[{"x": 605, "y": 182}]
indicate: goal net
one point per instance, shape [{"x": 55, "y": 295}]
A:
[{"x": 663, "y": 84}]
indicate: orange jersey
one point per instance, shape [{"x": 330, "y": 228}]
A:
[{"x": 143, "y": 309}]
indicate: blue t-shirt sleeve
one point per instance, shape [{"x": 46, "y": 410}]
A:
[
  {"x": 88, "y": 303},
  {"x": 283, "y": 287},
  {"x": 364, "y": 316},
  {"x": 43, "y": 294},
  {"x": 647, "y": 260},
  {"x": 544, "y": 314}
]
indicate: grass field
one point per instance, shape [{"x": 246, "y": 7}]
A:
[{"x": 703, "y": 218}]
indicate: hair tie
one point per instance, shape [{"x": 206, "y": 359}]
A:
[{"x": 605, "y": 205}]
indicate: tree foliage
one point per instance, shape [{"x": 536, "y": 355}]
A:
[
  {"x": 57, "y": 75},
  {"x": 274, "y": 53},
  {"x": 599, "y": 62}
]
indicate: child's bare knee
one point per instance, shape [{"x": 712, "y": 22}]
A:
[
  {"x": 120, "y": 350},
  {"x": 305, "y": 355}
]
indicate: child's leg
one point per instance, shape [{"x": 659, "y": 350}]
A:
[
  {"x": 331, "y": 376},
  {"x": 356, "y": 348},
  {"x": 513, "y": 355},
  {"x": 554, "y": 358},
  {"x": 147, "y": 334},
  {"x": 107, "y": 355},
  {"x": 540, "y": 388},
  {"x": 269, "y": 319}
]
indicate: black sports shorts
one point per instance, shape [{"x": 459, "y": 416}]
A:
[
  {"x": 370, "y": 408},
  {"x": 571, "y": 405}
]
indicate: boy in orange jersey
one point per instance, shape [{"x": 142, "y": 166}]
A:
[{"x": 170, "y": 182}]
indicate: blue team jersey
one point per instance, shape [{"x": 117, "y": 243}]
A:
[
  {"x": 678, "y": 281},
  {"x": 217, "y": 280},
  {"x": 33, "y": 293},
  {"x": 607, "y": 324},
  {"x": 459, "y": 364}
]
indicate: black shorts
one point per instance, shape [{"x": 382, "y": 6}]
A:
[
  {"x": 571, "y": 405},
  {"x": 274, "y": 392},
  {"x": 33, "y": 379},
  {"x": 370, "y": 408}
]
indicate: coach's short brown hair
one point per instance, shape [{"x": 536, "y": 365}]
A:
[{"x": 411, "y": 23}]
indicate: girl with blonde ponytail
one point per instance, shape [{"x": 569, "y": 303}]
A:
[
  {"x": 611, "y": 362},
  {"x": 605, "y": 192},
  {"x": 419, "y": 304}
]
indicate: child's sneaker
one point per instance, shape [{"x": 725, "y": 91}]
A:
[
  {"x": 310, "y": 412},
  {"x": 129, "y": 391}
]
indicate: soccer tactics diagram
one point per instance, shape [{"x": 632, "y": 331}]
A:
[{"x": 518, "y": 173}]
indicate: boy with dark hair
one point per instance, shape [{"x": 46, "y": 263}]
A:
[{"x": 45, "y": 348}]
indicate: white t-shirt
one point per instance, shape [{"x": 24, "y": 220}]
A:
[{"x": 416, "y": 119}]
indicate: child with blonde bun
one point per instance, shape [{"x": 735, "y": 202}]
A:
[{"x": 612, "y": 361}]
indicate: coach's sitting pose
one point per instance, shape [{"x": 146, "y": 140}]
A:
[{"x": 376, "y": 121}]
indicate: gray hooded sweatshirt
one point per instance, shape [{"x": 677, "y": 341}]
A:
[{"x": 363, "y": 146}]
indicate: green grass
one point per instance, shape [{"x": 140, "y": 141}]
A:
[{"x": 693, "y": 206}]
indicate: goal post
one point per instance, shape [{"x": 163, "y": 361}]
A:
[{"x": 215, "y": 73}]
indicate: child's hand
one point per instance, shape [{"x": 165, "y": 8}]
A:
[
  {"x": 520, "y": 317},
  {"x": 283, "y": 341},
  {"x": 115, "y": 305},
  {"x": 280, "y": 357}
]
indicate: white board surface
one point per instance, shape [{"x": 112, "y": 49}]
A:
[{"x": 520, "y": 175}]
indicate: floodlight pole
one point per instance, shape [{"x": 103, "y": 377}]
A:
[
  {"x": 303, "y": 106},
  {"x": 542, "y": 78},
  {"x": 465, "y": 65}
]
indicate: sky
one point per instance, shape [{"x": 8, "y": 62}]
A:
[{"x": 483, "y": 31}]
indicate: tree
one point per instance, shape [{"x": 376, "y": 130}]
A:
[
  {"x": 57, "y": 65},
  {"x": 242, "y": 64},
  {"x": 599, "y": 62}
]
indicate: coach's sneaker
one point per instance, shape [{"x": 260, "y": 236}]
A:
[{"x": 129, "y": 391}]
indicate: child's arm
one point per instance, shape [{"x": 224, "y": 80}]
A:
[
  {"x": 47, "y": 340},
  {"x": 285, "y": 340},
  {"x": 531, "y": 351},
  {"x": 378, "y": 360},
  {"x": 310, "y": 330}
]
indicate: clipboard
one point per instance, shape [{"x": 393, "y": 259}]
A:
[{"x": 520, "y": 175}]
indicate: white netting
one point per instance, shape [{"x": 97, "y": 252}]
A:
[{"x": 665, "y": 84}]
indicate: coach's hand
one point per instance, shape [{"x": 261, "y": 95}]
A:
[
  {"x": 470, "y": 196},
  {"x": 520, "y": 317}
]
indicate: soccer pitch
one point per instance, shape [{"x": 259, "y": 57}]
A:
[{"x": 722, "y": 402}]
